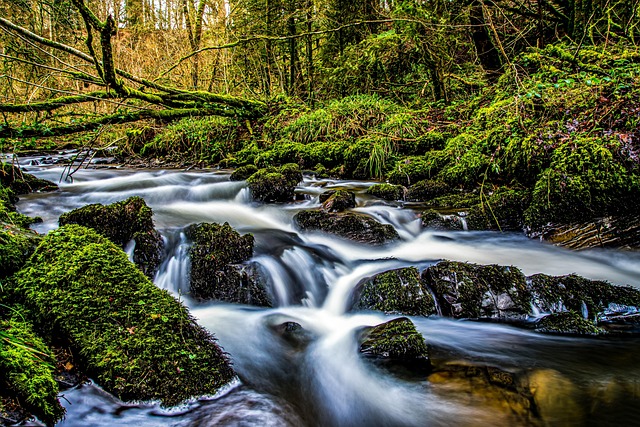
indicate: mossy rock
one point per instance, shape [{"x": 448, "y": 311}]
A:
[
  {"x": 338, "y": 200},
  {"x": 426, "y": 190},
  {"x": 567, "y": 323},
  {"x": 218, "y": 271},
  {"x": 458, "y": 200},
  {"x": 8, "y": 213},
  {"x": 352, "y": 226},
  {"x": 27, "y": 370},
  {"x": 501, "y": 210},
  {"x": 478, "y": 291},
  {"x": 385, "y": 191},
  {"x": 16, "y": 245},
  {"x": 594, "y": 298},
  {"x": 275, "y": 185},
  {"x": 135, "y": 340},
  {"x": 434, "y": 220},
  {"x": 410, "y": 170},
  {"x": 22, "y": 182},
  {"x": 396, "y": 343},
  {"x": 397, "y": 291},
  {"x": 243, "y": 172},
  {"x": 121, "y": 222}
]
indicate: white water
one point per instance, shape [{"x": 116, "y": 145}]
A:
[{"x": 312, "y": 277}]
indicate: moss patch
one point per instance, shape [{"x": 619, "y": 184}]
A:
[
  {"x": 568, "y": 322},
  {"x": 134, "y": 339},
  {"x": 275, "y": 184},
  {"x": 396, "y": 291},
  {"x": 389, "y": 192},
  {"x": 16, "y": 245},
  {"x": 338, "y": 200}
]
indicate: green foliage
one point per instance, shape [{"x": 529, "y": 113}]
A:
[
  {"x": 387, "y": 191},
  {"x": 16, "y": 245},
  {"x": 134, "y": 339},
  {"x": 26, "y": 370}
]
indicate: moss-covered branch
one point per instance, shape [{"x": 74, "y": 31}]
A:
[{"x": 56, "y": 103}]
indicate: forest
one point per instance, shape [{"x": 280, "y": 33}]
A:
[{"x": 488, "y": 116}]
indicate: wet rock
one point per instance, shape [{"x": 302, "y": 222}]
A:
[
  {"x": 609, "y": 232},
  {"x": 243, "y": 172},
  {"x": 293, "y": 334},
  {"x": 436, "y": 221},
  {"x": 21, "y": 182},
  {"x": 360, "y": 228},
  {"x": 397, "y": 291},
  {"x": 338, "y": 200},
  {"x": 427, "y": 190},
  {"x": 389, "y": 192},
  {"x": 502, "y": 210},
  {"x": 218, "y": 266},
  {"x": 478, "y": 291},
  {"x": 396, "y": 343},
  {"x": 557, "y": 400},
  {"x": 568, "y": 322},
  {"x": 275, "y": 185},
  {"x": 506, "y": 393},
  {"x": 121, "y": 222},
  {"x": 136, "y": 340},
  {"x": 596, "y": 300}
]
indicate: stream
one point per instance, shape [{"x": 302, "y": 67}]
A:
[{"x": 311, "y": 275}]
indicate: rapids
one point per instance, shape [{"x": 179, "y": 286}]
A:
[{"x": 312, "y": 277}]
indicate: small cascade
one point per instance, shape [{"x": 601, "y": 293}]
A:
[
  {"x": 130, "y": 249},
  {"x": 173, "y": 274}
]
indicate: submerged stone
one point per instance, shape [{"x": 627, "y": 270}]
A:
[
  {"x": 385, "y": 191},
  {"x": 478, "y": 291},
  {"x": 396, "y": 343},
  {"x": 218, "y": 266},
  {"x": 134, "y": 339},
  {"x": 275, "y": 185},
  {"x": 397, "y": 291},
  {"x": 360, "y": 228},
  {"x": 121, "y": 222},
  {"x": 338, "y": 200}
]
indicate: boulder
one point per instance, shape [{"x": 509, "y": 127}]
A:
[
  {"x": 122, "y": 222},
  {"x": 426, "y": 190},
  {"x": 567, "y": 322},
  {"x": 21, "y": 182},
  {"x": 360, "y": 228},
  {"x": 436, "y": 221},
  {"x": 385, "y": 191},
  {"x": 243, "y": 172},
  {"x": 395, "y": 344},
  {"x": 135, "y": 340},
  {"x": 337, "y": 200},
  {"x": 397, "y": 291},
  {"x": 275, "y": 185},
  {"x": 478, "y": 291},
  {"x": 218, "y": 266}
]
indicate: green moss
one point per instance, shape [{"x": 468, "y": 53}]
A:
[
  {"x": 434, "y": 220},
  {"x": 502, "y": 210},
  {"x": 21, "y": 182},
  {"x": 387, "y": 191},
  {"x": 8, "y": 212},
  {"x": 567, "y": 322},
  {"x": 413, "y": 169},
  {"x": 26, "y": 370},
  {"x": 397, "y": 291},
  {"x": 243, "y": 172},
  {"x": 474, "y": 291},
  {"x": 459, "y": 200},
  {"x": 396, "y": 339},
  {"x": 426, "y": 190},
  {"x": 275, "y": 184},
  {"x": 134, "y": 339},
  {"x": 16, "y": 245},
  {"x": 216, "y": 253}
]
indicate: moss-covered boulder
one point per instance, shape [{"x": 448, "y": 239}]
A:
[
  {"x": 21, "y": 182},
  {"x": 597, "y": 300},
  {"x": 8, "y": 213},
  {"x": 437, "y": 221},
  {"x": 243, "y": 172},
  {"x": 478, "y": 291},
  {"x": 426, "y": 190},
  {"x": 27, "y": 372},
  {"x": 135, "y": 340},
  {"x": 502, "y": 210},
  {"x": 386, "y": 191},
  {"x": 397, "y": 291},
  {"x": 122, "y": 222},
  {"x": 360, "y": 228},
  {"x": 16, "y": 245},
  {"x": 396, "y": 343},
  {"x": 218, "y": 266},
  {"x": 338, "y": 200},
  {"x": 567, "y": 323},
  {"x": 275, "y": 185}
]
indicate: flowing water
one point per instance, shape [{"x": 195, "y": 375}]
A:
[{"x": 311, "y": 277}]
